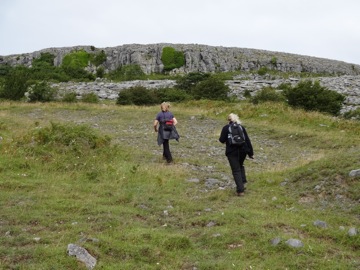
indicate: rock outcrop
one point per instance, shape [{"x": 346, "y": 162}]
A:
[{"x": 198, "y": 58}]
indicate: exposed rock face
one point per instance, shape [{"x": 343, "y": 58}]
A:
[{"x": 198, "y": 58}]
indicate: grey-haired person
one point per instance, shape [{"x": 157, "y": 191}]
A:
[{"x": 237, "y": 154}]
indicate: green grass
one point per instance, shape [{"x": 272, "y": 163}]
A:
[{"x": 131, "y": 211}]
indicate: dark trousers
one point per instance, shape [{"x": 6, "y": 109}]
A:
[
  {"x": 236, "y": 161},
  {"x": 166, "y": 151}
]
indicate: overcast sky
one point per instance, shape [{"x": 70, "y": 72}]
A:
[{"x": 321, "y": 28}]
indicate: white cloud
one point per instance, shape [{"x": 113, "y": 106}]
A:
[{"x": 316, "y": 28}]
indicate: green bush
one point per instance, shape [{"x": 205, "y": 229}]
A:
[
  {"x": 284, "y": 86},
  {"x": 273, "y": 61},
  {"x": 311, "y": 96},
  {"x": 137, "y": 95},
  {"x": 76, "y": 59},
  {"x": 45, "y": 58},
  {"x": 74, "y": 65},
  {"x": 4, "y": 70},
  {"x": 172, "y": 59},
  {"x": 98, "y": 59},
  {"x": 64, "y": 138},
  {"x": 43, "y": 69},
  {"x": 190, "y": 80},
  {"x": 267, "y": 94},
  {"x": 41, "y": 92},
  {"x": 262, "y": 71},
  {"x": 90, "y": 98},
  {"x": 15, "y": 84},
  {"x": 127, "y": 73},
  {"x": 100, "y": 71},
  {"x": 212, "y": 89},
  {"x": 354, "y": 114},
  {"x": 171, "y": 94},
  {"x": 69, "y": 97},
  {"x": 247, "y": 93}
]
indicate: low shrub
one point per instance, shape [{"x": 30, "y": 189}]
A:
[
  {"x": 74, "y": 65},
  {"x": 247, "y": 93},
  {"x": 63, "y": 138},
  {"x": 15, "y": 83},
  {"x": 98, "y": 59},
  {"x": 262, "y": 71},
  {"x": 42, "y": 92},
  {"x": 90, "y": 98},
  {"x": 100, "y": 72},
  {"x": 137, "y": 95},
  {"x": 127, "y": 73},
  {"x": 69, "y": 97},
  {"x": 190, "y": 80},
  {"x": 212, "y": 89},
  {"x": 171, "y": 94},
  {"x": 311, "y": 96},
  {"x": 267, "y": 94},
  {"x": 353, "y": 114}
]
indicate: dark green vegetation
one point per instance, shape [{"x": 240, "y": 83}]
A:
[
  {"x": 139, "y": 95},
  {"x": 312, "y": 96},
  {"x": 307, "y": 95},
  {"x": 127, "y": 73},
  {"x": 92, "y": 174},
  {"x": 172, "y": 59},
  {"x": 192, "y": 86}
]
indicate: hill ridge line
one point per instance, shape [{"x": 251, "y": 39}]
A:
[{"x": 198, "y": 58}]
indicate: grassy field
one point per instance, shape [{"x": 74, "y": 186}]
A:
[{"x": 93, "y": 175}]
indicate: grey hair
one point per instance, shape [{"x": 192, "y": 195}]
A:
[{"x": 234, "y": 118}]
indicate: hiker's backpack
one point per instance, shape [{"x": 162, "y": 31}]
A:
[{"x": 236, "y": 134}]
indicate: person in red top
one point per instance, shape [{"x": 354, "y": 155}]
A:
[{"x": 164, "y": 125}]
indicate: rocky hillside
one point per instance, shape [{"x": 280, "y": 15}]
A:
[{"x": 198, "y": 58}]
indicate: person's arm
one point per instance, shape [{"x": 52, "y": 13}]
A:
[
  {"x": 175, "y": 121},
  {"x": 156, "y": 122},
  {"x": 223, "y": 135},
  {"x": 249, "y": 145}
]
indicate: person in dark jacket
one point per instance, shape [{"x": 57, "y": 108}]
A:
[
  {"x": 237, "y": 154},
  {"x": 164, "y": 125}
]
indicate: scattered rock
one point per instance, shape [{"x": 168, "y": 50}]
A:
[
  {"x": 211, "y": 183},
  {"x": 275, "y": 241},
  {"x": 296, "y": 243},
  {"x": 354, "y": 173},
  {"x": 352, "y": 232},
  {"x": 82, "y": 255},
  {"x": 319, "y": 223},
  {"x": 211, "y": 224},
  {"x": 193, "y": 180}
]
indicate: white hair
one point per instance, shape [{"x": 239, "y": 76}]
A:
[{"x": 234, "y": 118}]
